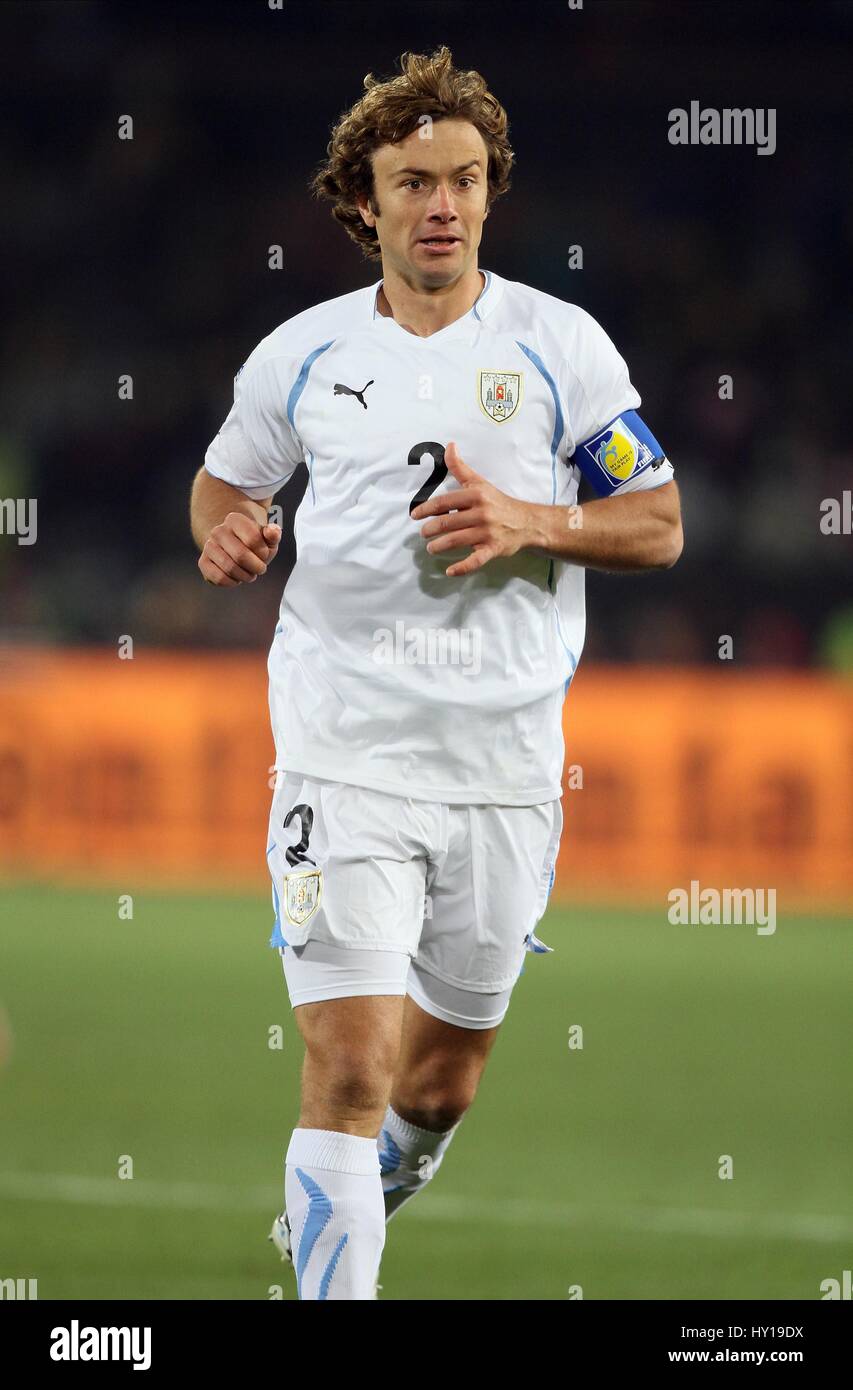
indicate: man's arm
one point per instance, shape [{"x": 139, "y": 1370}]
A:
[
  {"x": 635, "y": 531},
  {"x": 231, "y": 530}
]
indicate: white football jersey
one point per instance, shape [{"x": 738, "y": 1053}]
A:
[{"x": 385, "y": 672}]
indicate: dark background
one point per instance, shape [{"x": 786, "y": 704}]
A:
[{"x": 149, "y": 257}]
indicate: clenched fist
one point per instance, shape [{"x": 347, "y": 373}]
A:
[{"x": 238, "y": 551}]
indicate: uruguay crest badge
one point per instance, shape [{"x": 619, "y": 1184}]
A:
[
  {"x": 303, "y": 891},
  {"x": 499, "y": 394}
]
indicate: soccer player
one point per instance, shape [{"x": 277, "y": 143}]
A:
[{"x": 427, "y": 638}]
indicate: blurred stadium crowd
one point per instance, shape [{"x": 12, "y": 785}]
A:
[{"x": 149, "y": 257}]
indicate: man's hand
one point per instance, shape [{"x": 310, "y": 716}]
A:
[
  {"x": 636, "y": 531},
  {"x": 238, "y": 551},
  {"x": 476, "y": 514}
]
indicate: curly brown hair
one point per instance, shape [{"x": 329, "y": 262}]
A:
[{"x": 428, "y": 85}]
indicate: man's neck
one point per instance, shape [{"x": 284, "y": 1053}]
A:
[{"x": 425, "y": 314}]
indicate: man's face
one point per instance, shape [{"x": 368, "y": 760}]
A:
[{"x": 432, "y": 184}]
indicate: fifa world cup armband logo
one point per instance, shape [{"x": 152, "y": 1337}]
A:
[
  {"x": 616, "y": 455},
  {"x": 623, "y": 449}
]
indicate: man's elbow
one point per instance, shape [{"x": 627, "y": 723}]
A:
[{"x": 670, "y": 547}]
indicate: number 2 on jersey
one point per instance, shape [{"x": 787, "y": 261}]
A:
[{"x": 436, "y": 477}]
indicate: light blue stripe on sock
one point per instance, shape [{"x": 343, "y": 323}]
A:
[
  {"x": 319, "y": 1215},
  {"x": 389, "y": 1157},
  {"x": 331, "y": 1267}
]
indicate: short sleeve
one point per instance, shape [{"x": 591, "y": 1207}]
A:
[
  {"x": 256, "y": 450},
  {"x": 599, "y": 385},
  {"x": 610, "y": 444}
]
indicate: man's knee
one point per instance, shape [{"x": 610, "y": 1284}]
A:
[
  {"x": 437, "y": 1109},
  {"x": 350, "y": 1085},
  {"x": 351, "y": 1051},
  {"x": 440, "y": 1069}
]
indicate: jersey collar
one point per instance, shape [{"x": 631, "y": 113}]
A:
[{"x": 482, "y": 307}]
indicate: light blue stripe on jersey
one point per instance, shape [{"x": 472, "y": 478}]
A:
[
  {"x": 277, "y": 938},
  {"x": 558, "y": 412},
  {"x": 484, "y": 291},
  {"x": 555, "y": 444},
  {"x": 298, "y": 387},
  {"x": 569, "y": 653}
]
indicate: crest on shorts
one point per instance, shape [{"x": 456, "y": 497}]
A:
[
  {"x": 303, "y": 891},
  {"x": 499, "y": 394}
]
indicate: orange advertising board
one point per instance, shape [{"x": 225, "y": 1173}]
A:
[{"x": 157, "y": 770}]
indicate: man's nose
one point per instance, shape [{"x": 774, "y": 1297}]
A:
[{"x": 442, "y": 201}]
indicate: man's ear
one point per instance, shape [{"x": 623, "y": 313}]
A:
[{"x": 367, "y": 207}]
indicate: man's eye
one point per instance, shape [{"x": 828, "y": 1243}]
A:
[{"x": 412, "y": 181}]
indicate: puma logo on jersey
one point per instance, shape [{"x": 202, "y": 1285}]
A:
[{"x": 348, "y": 391}]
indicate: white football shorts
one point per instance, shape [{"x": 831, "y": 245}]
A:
[{"x": 382, "y": 894}]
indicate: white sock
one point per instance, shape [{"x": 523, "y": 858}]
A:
[
  {"x": 333, "y": 1196},
  {"x": 408, "y": 1157}
]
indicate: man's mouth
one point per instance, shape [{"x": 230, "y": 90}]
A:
[{"x": 448, "y": 240}]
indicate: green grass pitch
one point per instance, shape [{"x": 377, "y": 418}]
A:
[{"x": 594, "y": 1167}]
